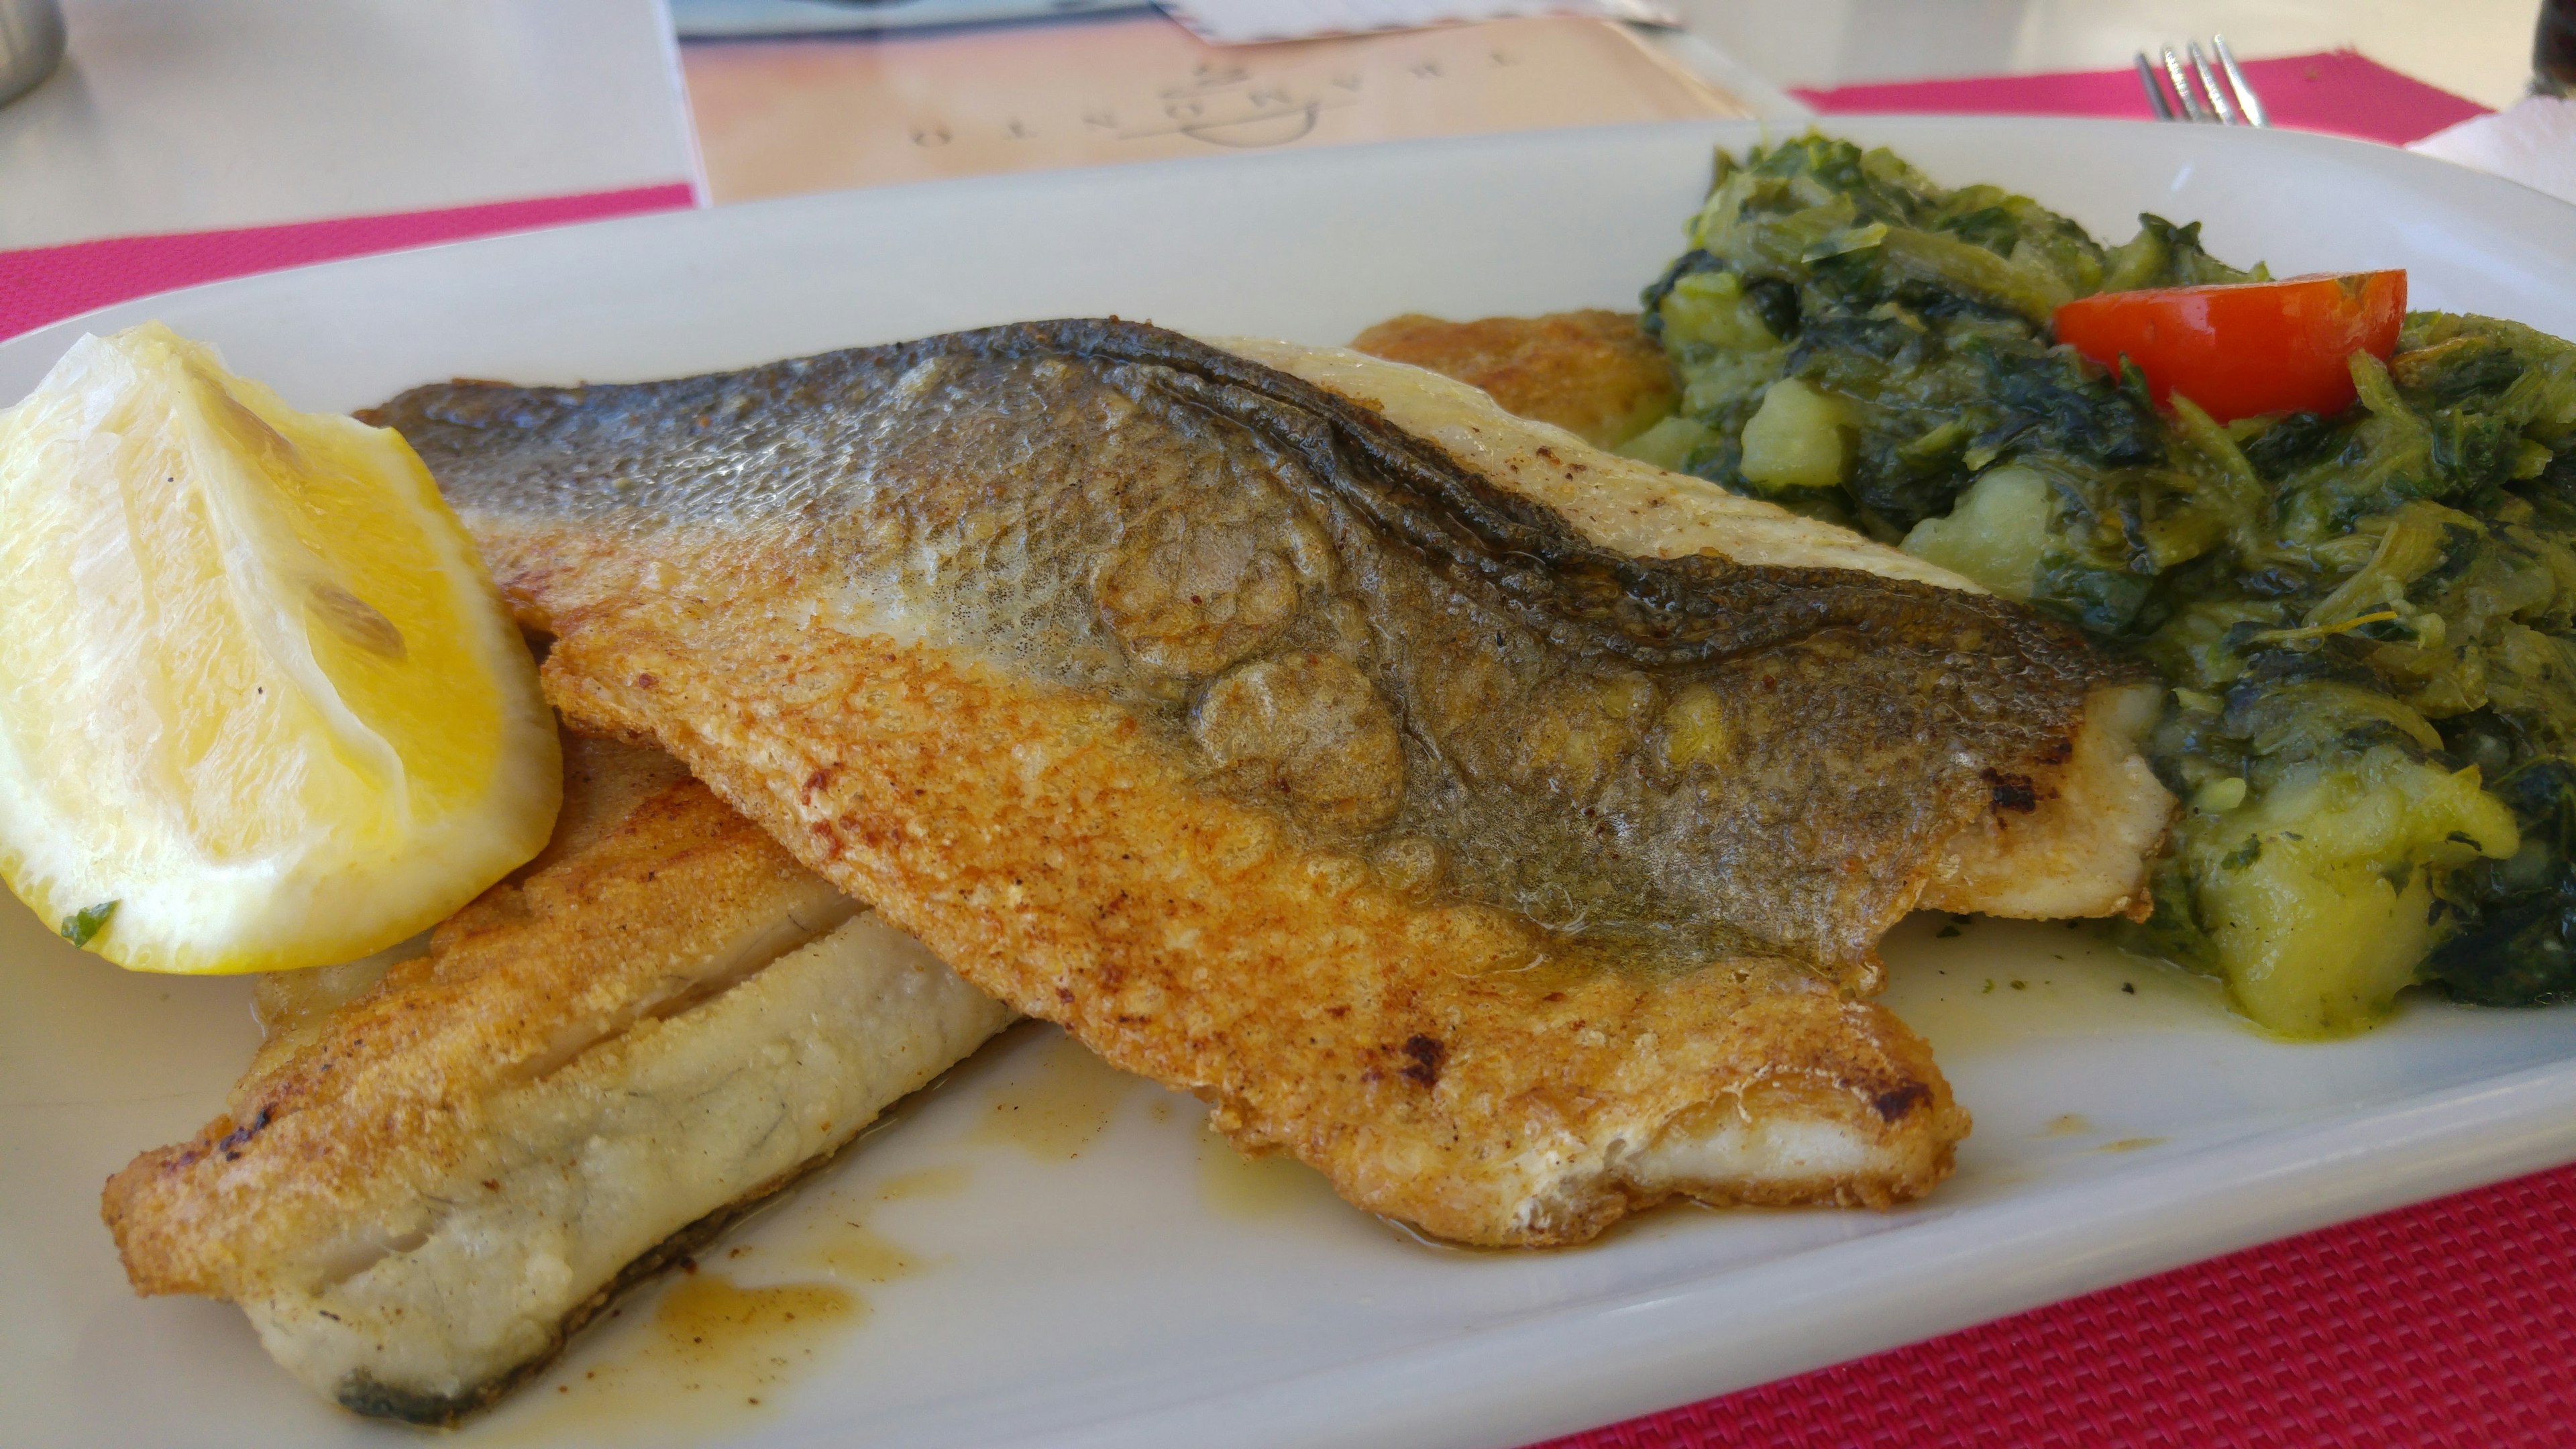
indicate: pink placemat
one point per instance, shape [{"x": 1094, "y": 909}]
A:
[
  {"x": 2449, "y": 1323},
  {"x": 2339, "y": 91},
  {"x": 46, "y": 284}
]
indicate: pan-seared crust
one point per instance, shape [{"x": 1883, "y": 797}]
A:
[
  {"x": 604, "y": 783},
  {"x": 389, "y": 1097},
  {"x": 1501, "y": 826},
  {"x": 428, "y": 1181},
  {"x": 593, "y": 1176},
  {"x": 1594, "y": 373},
  {"x": 1422, "y": 1054}
]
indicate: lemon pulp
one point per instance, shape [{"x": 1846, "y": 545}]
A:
[{"x": 255, "y": 688}]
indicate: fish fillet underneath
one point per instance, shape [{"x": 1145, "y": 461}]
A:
[
  {"x": 1503, "y": 828},
  {"x": 417, "y": 1192}
]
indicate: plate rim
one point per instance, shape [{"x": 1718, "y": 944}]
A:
[{"x": 2432, "y": 171}]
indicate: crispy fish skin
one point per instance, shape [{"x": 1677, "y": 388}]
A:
[
  {"x": 2068, "y": 836},
  {"x": 604, "y": 783},
  {"x": 418, "y": 1194},
  {"x": 1423, "y": 1055},
  {"x": 1512, "y": 880}
]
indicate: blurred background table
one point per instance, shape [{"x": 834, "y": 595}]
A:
[
  {"x": 2480, "y": 49},
  {"x": 184, "y": 115},
  {"x": 175, "y": 117}
]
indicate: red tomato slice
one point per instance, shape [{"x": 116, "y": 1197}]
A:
[{"x": 2247, "y": 348}]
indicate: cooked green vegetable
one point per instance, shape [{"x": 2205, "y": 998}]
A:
[
  {"x": 1924, "y": 310},
  {"x": 2369, "y": 619},
  {"x": 82, "y": 926}
]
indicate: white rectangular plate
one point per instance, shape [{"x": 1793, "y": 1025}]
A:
[{"x": 1073, "y": 1261}]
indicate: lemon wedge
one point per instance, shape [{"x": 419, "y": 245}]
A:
[{"x": 260, "y": 707}]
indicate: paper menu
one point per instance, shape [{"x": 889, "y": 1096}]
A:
[
  {"x": 778, "y": 118},
  {"x": 1254, "y": 22}
]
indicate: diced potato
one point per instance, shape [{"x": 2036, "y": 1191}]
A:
[
  {"x": 2220, "y": 795},
  {"x": 1995, "y": 535},
  {"x": 1795, "y": 439},
  {"x": 2316, "y": 898},
  {"x": 1668, "y": 444},
  {"x": 1710, "y": 307}
]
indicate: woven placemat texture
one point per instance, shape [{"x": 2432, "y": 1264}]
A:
[{"x": 2449, "y": 1323}]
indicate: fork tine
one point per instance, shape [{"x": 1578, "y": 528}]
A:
[
  {"x": 2245, "y": 96},
  {"x": 2155, "y": 92},
  {"x": 2218, "y": 101},
  {"x": 2174, "y": 72}
]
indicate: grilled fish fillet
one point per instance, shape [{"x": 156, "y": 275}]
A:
[
  {"x": 419, "y": 1191},
  {"x": 2065, "y": 840},
  {"x": 1501, "y": 827},
  {"x": 604, "y": 782}
]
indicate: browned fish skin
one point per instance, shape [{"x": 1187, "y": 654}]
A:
[
  {"x": 1759, "y": 758},
  {"x": 1598, "y": 375},
  {"x": 605, "y": 783},
  {"x": 1075, "y": 648},
  {"x": 481, "y": 1011},
  {"x": 1595, "y": 374}
]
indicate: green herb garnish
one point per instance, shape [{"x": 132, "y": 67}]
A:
[{"x": 82, "y": 927}]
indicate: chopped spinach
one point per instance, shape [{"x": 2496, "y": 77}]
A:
[
  {"x": 2368, "y": 619},
  {"x": 82, "y": 927}
]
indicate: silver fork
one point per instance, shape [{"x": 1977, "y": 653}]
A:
[{"x": 2210, "y": 101}]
